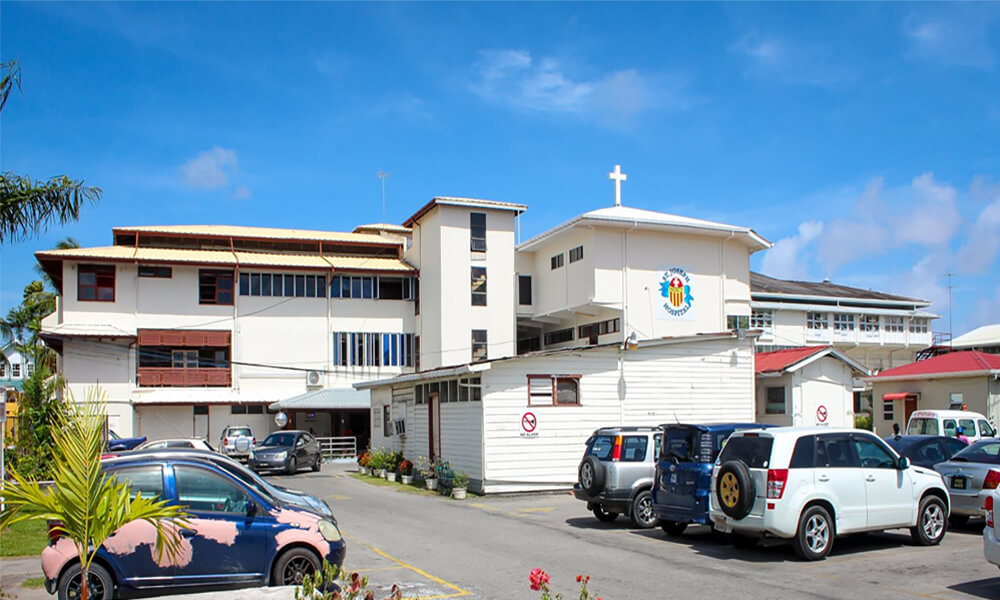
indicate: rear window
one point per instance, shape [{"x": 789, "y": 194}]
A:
[
  {"x": 634, "y": 448},
  {"x": 690, "y": 444},
  {"x": 755, "y": 451},
  {"x": 601, "y": 446},
  {"x": 922, "y": 427},
  {"x": 980, "y": 452},
  {"x": 239, "y": 431}
]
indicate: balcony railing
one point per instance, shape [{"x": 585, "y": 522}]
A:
[{"x": 167, "y": 377}]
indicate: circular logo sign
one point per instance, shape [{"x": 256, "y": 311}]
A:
[
  {"x": 675, "y": 288},
  {"x": 529, "y": 422},
  {"x": 281, "y": 419},
  {"x": 821, "y": 413}
]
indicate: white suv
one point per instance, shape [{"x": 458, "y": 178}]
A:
[{"x": 810, "y": 484}]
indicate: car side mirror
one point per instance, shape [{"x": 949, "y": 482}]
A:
[{"x": 904, "y": 463}]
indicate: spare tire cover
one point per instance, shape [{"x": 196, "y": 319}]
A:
[
  {"x": 591, "y": 475},
  {"x": 734, "y": 489},
  {"x": 243, "y": 444}
]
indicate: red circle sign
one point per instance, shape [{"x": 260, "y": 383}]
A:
[
  {"x": 821, "y": 413},
  {"x": 529, "y": 422}
]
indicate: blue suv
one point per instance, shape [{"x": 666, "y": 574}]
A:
[
  {"x": 238, "y": 535},
  {"x": 683, "y": 480}
]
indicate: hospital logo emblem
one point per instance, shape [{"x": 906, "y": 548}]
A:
[{"x": 675, "y": 287}]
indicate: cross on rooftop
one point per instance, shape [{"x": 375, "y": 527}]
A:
[{"x": 618, "y": 177}]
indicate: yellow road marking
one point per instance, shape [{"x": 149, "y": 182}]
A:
[
  {"x": 459, "y": 591},
  {"x": 372, "y": 569},
  {"x": 517, "y": 512},
  {"x": 339, "y": 497},
  {"x": 537, "y": 509}
]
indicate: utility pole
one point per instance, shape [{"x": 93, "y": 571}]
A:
[
  {"x": 951, "y": 332},
  {"x": 382, "y": 175}
]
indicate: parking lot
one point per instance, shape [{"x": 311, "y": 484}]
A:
[{"x": 435, "y": 547}]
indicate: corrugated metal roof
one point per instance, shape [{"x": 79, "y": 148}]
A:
[
  {"x": 968, "y": 361},
  {"x": 468, "y": 202},
  {"x": 64, "y": 330},
  {"x": 779, "y": 360},
  {"x": 264, "y": 259},
  {"x": 257, "y": 233},
  {"x": 367, "y": 263},
  {"x": 770, "y": 285},
  {"x": 987, "y": 335},
  {"x": 329, "y": 399}
]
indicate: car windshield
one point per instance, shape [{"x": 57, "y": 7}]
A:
[
  {"x": 754, "y": 450},
  {"x": 112, "y": 435},
  {"x": 280, "y": 439},
  {"x": 923, "y": 426},
  {"x": 981, "y": 452},
  {"x": 239, "y": 432}
]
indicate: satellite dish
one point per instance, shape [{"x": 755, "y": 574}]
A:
[{"x": 281, "y": 419}]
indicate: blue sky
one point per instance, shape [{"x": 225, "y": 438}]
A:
[{"x": 863, "y": 139}]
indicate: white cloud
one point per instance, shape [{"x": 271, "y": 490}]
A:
[
  {"x": 788, "y": 259},
  {"x": 791, "y": 62},
  {"x": 959, "y": 36},
  {"x": 210, "y": 169},
  {"x": 983, "y": 243},
  {"x": 242, "y": 192},
  {"x": 930, "y": 216},
  {"x": 516, "y": 79}
]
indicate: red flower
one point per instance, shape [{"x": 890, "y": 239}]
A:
[
  {"x": 537, "y": 578},
  {"x": 579, "y": 578}
]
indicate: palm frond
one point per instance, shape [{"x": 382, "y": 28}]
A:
[{"x": 28, "y": 207}]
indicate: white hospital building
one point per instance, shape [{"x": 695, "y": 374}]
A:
[{"x": 441, "y": 337}]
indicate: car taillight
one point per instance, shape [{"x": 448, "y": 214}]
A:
[
  {"x": 776, "y": 479},
  {"x": 989, "y": 510},
  {"x": 54, "y": 533},
  {"x": 254, "y": 441},
  {"x": 225, "y": 441},
  {"x": 992, "y": 480},
  {"x": 616, "y": 454}
]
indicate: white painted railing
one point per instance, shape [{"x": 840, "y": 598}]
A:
[{"x": 338, "y": 447}]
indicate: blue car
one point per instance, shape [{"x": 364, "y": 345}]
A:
[
  {"x": 683, "y": 481},
  {"x": 238, "y": 536},
  {"x": 117, "y": 443}
]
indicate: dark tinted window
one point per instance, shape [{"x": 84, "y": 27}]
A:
[
  {"x": 804, "y": 454},
  {"x": 280, "y": 439},
  {"x": 634, "y": 448},
  {"x": 524, "y": 289},
  {"x": 679, "y": 443},
  {"x": 754, "y": 450},
  {"x": 953, "y": 446},
  {"x": 601, "y": 446},
  {"x": 871, "y": 454},
  {"x": 835, "y": 451},
  {"x": 980, "y": 452},
  {"x": 148, "y": 480}
]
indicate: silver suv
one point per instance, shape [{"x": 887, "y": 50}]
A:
[
  {"x": 236, "y": 441},
  {"x": 616, "y": 473}
]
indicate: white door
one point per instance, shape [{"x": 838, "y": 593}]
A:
[
  {"x": 888, "y": 490},
  {"x": 839, "y": 478},
  {"x": 200, "y": 427}
]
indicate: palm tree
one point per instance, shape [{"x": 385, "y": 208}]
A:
[
  {"x": 66, "y": 243},
  {"x": 88, "y": 505},
  {"x": 28, "y": 206}
]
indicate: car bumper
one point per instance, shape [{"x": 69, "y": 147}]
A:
[
  {"x": 970, "y": 505},
  {"x": 619, "y": 501},
  {"x": 267, "y": 464},
  {"x": 778, "y": 521},
  {"x": 698, "y": 513},
  {"x": 50, "y": 585},
  {"x": 991, "y": 546}
]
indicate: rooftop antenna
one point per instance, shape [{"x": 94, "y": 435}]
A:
[{"x": 382, "y": 175}]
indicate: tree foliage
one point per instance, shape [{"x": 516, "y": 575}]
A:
[{"x": 28, "y": 206}]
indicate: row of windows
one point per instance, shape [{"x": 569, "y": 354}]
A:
[
  {"x": 15, "y": 369},
  {"x": 865, "y": 323},
  {"x": 373, "y": 349},
  {"x": 575, "y": 254},
  {"x": 592, "y": 330},
  {"x": 314, "y": 286},
  {"x": 187, "y": 358},
  {"x": 463, "y": 389},
  {"x": 552, "y": 390}
]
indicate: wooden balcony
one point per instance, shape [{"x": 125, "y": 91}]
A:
[{"x": 166, "y": 377}]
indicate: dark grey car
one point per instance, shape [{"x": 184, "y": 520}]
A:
[
  {"x": 286, "y": 451},
  {"x": 616, "y": 474},
  {"x": 970, "y": 476}
]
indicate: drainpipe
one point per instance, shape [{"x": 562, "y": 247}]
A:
[{"x": 622, "y": 390}]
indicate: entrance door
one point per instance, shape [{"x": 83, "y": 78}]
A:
[
  {"x": 909, "y": 406},
  {"x": 434, "y": 425},
  {"x": 200, "y": 428}
]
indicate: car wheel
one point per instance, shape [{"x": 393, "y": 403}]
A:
[
  {"x": 591, "y": 475},
  {"x": 931, "y": 522},
  {"x": 318, "y": 464},
  {"x": 642, "y": 511},
  {"x": 958, "y": 520},
  {"x": 734, "y": 489},
  {"x": 293, "y": 567},
  {"x": 814, "y": 538},
  {"x": 603, "y": 515},
  {"x": 293, "y": 466},
  {"x": 100, "y": 586},
  {"x": 673, "y": 527}
]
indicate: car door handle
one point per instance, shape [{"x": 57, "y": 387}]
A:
[
  {"x": 870, "y": 478},
  {"x": 824, "y": 478}
]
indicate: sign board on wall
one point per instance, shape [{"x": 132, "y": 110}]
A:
[
  {"x": 675, "y": 301},
  {"x": 529, "y": 424}
]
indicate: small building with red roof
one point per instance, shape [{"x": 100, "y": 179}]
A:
[
  {"x": 809, "y": 385},
  {"x": 958, "y": 380}
]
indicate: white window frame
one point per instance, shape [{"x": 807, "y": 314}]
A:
[
  {"x": 868, "y": 323},
  {"x": 844, "y": 322},
  {"x": 817, "y": 321}
]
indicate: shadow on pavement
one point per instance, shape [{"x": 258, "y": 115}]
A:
[{"x": 983, "y": 588}]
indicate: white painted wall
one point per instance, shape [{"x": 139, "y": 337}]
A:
[{"x": 827, "y": 382}]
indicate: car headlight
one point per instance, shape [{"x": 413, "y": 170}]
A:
[
  {"x": 281, "y": 455},
  {"x": 329, "y": 531}
]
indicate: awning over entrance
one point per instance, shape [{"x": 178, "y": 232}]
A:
[
  {"x": 899, "y": 395},
  {"x": 335, "y": 399}
]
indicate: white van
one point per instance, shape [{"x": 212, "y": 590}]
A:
[{"x": 946, "y": 422}]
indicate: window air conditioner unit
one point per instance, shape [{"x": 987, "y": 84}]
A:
[{"x": 314, "y": 379}]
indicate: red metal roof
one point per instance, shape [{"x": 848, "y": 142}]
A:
[
  {"x": 779, "y": 360},
  {"x": 953, "y": 362}
]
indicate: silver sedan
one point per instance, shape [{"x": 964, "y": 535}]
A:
[{"x": 971, "y": 475}]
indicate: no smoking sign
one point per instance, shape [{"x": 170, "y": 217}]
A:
[
  {"x": 528, "y": 424},
  {"x": 821, "y": 414}
]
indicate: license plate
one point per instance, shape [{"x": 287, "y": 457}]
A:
[{"x": 958, "y": 483}]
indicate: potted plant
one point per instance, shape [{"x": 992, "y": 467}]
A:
[
  {"x": 377, "y": 463},
  {"x": 363, "y": 460},
  {"x": 391, "y": 462},
  {"x": 460, "y": 484},
  {"x": 406, "y": 472},
  {"x": 427, "y": 472}
]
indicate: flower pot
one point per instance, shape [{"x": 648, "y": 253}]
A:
[
  {"x": 379, "y": 472},
  {"x": 458, "y": 493},
  {"x": 390, "y": 476},
  {"x": 406, "y": 479},
  {"x": 432, "y": 483},
  {"x": 364, "y": 470}
]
